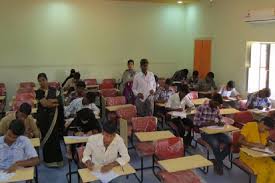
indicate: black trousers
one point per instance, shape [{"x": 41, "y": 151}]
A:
[{"x": 184, "y": 125}]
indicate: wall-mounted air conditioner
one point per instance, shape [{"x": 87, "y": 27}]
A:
[{"x": 260, "y": 16}]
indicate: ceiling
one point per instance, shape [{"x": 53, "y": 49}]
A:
[{"x": 160, "y": 1}]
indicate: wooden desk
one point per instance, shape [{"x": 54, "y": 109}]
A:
[
  {"x": 256, "y": 154},
  {"x": 230, "y": 99},
  {"x": 2, "y": 98},
  {"x": 160, "y": 104},
  {"x": 205, "y": 92},
  {"x": 92, "y": 86},
  {"x": 153, "y": 136},
  {"x": 199, "y": 101},
  {"x": 34, "y": 110},
  {"x": 23, "y": 174},
  {"x": 117, "y": 107},
  {"x": 35, "y": 142},
  {"x": 70, "y": 141},
  {"x": 228, "y": 111},
  {"x": 86, "y": 174},
  {"x": 225, "y": 129},
  {"x": 184, "y": 163}
]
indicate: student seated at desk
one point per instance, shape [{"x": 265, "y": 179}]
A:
[
  {"x": 88, "y": 101},
  {"x": 16, "y": 150},
  {"x": 193, "y": 81},
  {"x": 86, "y": 123},
  {"x": 208, "y": 84},
  {"x": 106, "y": 149},
  {"x": 24, "y": 115},
  {"x": 255, "y": 134},
  {"x": 208, "y": 114},
  {"x": 178, "y": 102},
  {"x": 229, "y": 91},
  {"x": 70, "y": 85},
  {"x": 259, "y": 99},
  {"x": 78, "y": 93},
  {"x": 163, "y": 93},
  {"x": 69, "y": 77},
  {"x": 181, "y": 75}
]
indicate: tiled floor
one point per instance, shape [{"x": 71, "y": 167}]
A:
[{"x": 235, "y": 175}]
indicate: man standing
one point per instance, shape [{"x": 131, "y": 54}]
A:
[{"x": 144, "y": 87}]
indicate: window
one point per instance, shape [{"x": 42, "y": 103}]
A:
[{"x": 261, "y": 71}]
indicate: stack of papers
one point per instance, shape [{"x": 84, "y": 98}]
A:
[
  {"x": 77, "y": 137},
  {"x": 4, "y": 177},
  {"x": 178, "y": 114},
  {"x": 266, "y": 150},
  {"x": 105, "y": 177}
]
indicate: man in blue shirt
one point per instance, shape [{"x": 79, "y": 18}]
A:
[{"x": 16, "y": 150}]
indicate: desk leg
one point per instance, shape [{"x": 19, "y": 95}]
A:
[
  {"x": 35, "y": 168},
  {"x": 124, "y": 130}
]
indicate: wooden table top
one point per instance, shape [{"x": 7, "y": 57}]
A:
[
  {"x": 215, "y": 129},
  {"x": 23, "y": 174},
  {"x": 87, "y": 175},
  {"x": 199, "y": 101},
  {"x": 153, "y": 136},
  {"x": 69, "y": 140},
  {"x": 118, "y": 107},
  {"x": 256, "y": 154},
  {"x": 227, "y": 111},
  {"x": 2, "y": 98},
  {"x": 185, "y": 163}
]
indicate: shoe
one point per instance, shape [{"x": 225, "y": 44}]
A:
[{"x": 220, "y": 170}]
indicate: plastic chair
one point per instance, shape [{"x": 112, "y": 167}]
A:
[
  {"x": 27, "y": 84},
  {"x": 25, "y": 96},
  {"x": 113, "y": 81},
  {"x": 119, "y": 100},
  {"x": 169, "y": 149},
  {"x": 106, "y": 86},
  {"x": 90, "y": 81},
  {"x": 242, "y": 118},
  {"x": 144, "y": 149},
  {"x": 108, "y": 92},
  {"x": 55, "y": 85}
]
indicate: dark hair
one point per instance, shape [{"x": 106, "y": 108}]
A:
[
  {"x": 156, "y": 78},
  {"x": 168, "y": 82},
  {"x": 216, "y": 97},
  {"x": 109, "y": 127},
  {"x": 131, "y": 61},
  {"x": 42, "y": 75},
  {"x": 91, "y": 96},
  {"x": 25, "y": 108},
  {"x": 17, "y": 127},
  {"x": 144, "y": 61},
  {"x": 77, "y": 75},
  {"x": 231, "y": 84},
  {"x": 267, "y": 92},
  {"x": 72, "y": 71},
  {"x": 183, "y": 88},
  {"x": 195, "y": 73},
  {"x": 80, "y": 84},
  {"x": 185, "y": 71},
  {"x": 211, "y": 75},
  {"x": 268, "y": 121}
]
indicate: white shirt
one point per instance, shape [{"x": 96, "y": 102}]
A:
[
  {"x": 76, "y": 105},
  {"x": 143, "y": 84},
  {"x": 99, "y": 155},
  {"x": 226, "y": 93},
  {"x": 174, "y": 102}
]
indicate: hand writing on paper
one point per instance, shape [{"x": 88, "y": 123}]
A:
[
  {"x": 11, "y": 169},
  {"x": 89, "y": 165},
  {"x": 107, "y": 168}
]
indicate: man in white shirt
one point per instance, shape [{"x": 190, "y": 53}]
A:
[
  {"x": 229, "y": 91},
  {"x": 179, "y": 102},
  {"x": 144, "y": 87},
  {"x": 80, "y": 103},
  {"x": 106, "y": 150}
]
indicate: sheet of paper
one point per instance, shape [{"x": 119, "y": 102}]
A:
[
  {"x": 4, "y": 177},
  {"x": 77, "y": 137},
  {"x": 216, "y": 127},
  {"x": 178, "y": 114},
  {"x": 266, "y": 150},
  {"x": 105, "y": 177}
]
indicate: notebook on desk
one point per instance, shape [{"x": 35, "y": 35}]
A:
[{"x": 266, "y": 150}]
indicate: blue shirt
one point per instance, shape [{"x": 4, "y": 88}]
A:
[{"x": 21, "y": 149}]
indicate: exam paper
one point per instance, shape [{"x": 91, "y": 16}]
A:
[
  {"x": 4, "y": 177},
  {"x": 105, "y": 177}
]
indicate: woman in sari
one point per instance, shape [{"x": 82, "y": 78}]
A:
[
  {"x": 255, "y": 134},
  {"x": 128, "y": 75},
  {"x": 49, "y": 103}
]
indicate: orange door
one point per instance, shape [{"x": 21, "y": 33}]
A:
[{"x": 202, "y": 57}]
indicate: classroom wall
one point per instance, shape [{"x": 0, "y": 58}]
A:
[
  {"x": 96, "y": 37},
  {"x": 222, "y": 21}
]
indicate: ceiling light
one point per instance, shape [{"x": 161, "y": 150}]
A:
[{"x": 179, "y": 2}]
